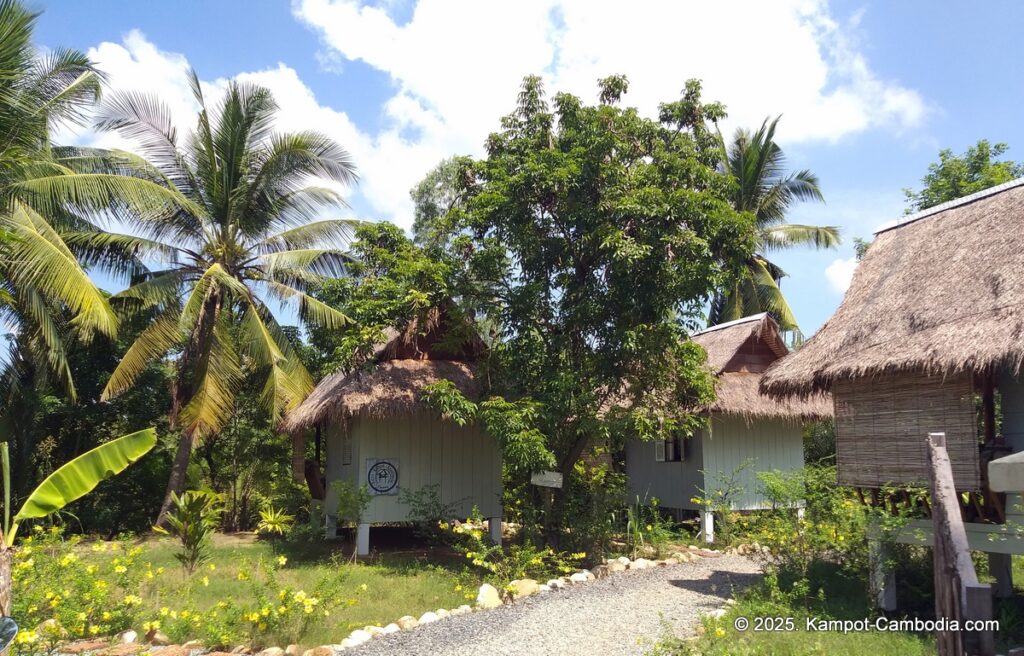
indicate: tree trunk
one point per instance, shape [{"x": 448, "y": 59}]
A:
[
  {"x": 176, "y": 483},
  {"x": 553, "y": 521},
  {"x": 299, "y": 457},
  {"x": 6, "y": 555}
]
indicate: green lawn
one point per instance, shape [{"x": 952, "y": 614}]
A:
[{"x": 395, "y": 584}]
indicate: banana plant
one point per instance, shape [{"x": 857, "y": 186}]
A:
[{"x": 68, "y": 483}]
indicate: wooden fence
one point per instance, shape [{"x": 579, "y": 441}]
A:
[{"x": 958, "y": 594}]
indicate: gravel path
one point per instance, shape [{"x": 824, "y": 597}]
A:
[{"x": 620, "y": 614}]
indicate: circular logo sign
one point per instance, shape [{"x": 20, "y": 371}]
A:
[{"x": 382, "y": 477}]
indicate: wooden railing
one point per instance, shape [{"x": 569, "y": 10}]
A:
[{"x": 958, "y": 594}]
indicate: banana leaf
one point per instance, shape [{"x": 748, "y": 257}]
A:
[{"x": 78, "y": 477}]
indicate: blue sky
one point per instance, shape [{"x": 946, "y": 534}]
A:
[{"x": 869, "y": 91}]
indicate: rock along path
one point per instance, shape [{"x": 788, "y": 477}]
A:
[{"x": 622, "y": 614}]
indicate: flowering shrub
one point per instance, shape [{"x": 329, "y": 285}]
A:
[
  {"x": 69, "y": 594},
  {"x": 65, "y": 590},
  {"x": 519, "y": 561},
  {"x": 832, "y": 526}
]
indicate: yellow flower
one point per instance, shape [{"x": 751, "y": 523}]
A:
[
  {"x": 282, "y": 560},
  {"x": 99, "y": 546},
  {"x": 281, "y": 610},
  {"x": 120, "y": 569},
  {"x": 151, "y": 626},
  {"x": 212, "y": 567},
  {"x": 164, "y": 611},
  {"x": 362, "y": 586},
  {"x": 106, "y": 616},
  {"x": 254, "y": 617},
  {"x": 184, "y": 614},
  {"x": 265, "y": 611},
  {"x": 719, "y": 631},
  {"x": 243, "y": 576},
  {"x": 94, "y": 629},
  {"x": 206, "y": 581},
  {"x": 26, "y": 637}
]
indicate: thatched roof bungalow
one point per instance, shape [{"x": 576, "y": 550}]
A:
[
  {"x": 746, "y": 433},
  {"x": 934, "y": 316},
  {"x": 379, "y": 432}
]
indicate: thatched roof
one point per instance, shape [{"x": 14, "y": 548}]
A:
[
  {"x": 391, "y": 388},
  {"x": 395, "y": 373},
  {"x": 940, "y": 293},
  {"x": 738, "y": 354}
]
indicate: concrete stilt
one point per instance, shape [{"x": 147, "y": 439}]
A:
[
  {"x": 362, "y": 540},
  {"x": 495, "y": 527},
  {"x": 1000, "y": 566},
  {"x": 707, "y": 525},
  {"x": 883, "y": 577}
]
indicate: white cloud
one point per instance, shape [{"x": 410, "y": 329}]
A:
[
  {"x": 456, "y": 66},
  {"x": 839, "y": 274}
]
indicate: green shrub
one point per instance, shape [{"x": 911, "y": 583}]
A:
[
  {"x": 518, "y": 561},
  {"x": 193, "y": 520},
  {"x": 427, "y": 511},
  {"x": 647, "y": 530},
  {"x": 352, "y": 501}
]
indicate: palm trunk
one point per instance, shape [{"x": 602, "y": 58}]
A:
[
  {"x": 6, "y": 554},
  {"x": 299, "y": 457},
  {"x": 176, "y": 482},
  {"x": 198, "y": 340}
]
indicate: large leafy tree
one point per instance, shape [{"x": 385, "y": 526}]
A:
[
  {"x": 45, "y": 295},
  {"x": 763, "y": 186},
  {"x": 244, "y": 227},
  {"x": 955, "y": 176},
  {"x": 601, "y": 235}
]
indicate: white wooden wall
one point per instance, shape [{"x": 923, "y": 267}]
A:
[
  {"x": 464, "y": 461},
  {"x": 769, "y": 443}
]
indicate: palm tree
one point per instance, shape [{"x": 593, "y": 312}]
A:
[
  {"x": 763, "y": 187},
  {"x": 245, "y": 226},
  {"x": 45, "y": 294}
]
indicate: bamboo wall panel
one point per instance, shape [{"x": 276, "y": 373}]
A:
[{"x": 882, "y": 426}]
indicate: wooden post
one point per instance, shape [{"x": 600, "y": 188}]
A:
[{"x": 958, "y": 594}]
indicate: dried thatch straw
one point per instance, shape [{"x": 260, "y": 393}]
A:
[
  {"x": 426, "y": 351},
  {"x": 738, "y": 354},
  {"x": 391, "y": 388},
  {"x": 940, "y": 293}
]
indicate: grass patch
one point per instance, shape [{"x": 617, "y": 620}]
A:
[
  {"x": 828, "y": 593},
  {"x": 395, "y": 584}
]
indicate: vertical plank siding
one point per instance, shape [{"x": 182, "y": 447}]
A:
[
  {"x": 463, "y": 461},
  {"x": 770, "y": 444},
  {"x": 765, "y": 444}
]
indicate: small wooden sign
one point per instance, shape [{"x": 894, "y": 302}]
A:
[{"x": 547, "y": 479}]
